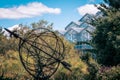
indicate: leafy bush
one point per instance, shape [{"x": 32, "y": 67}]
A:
[
  {"x": 11, "y": 67},
  {"x": 93, "y": 66},
  {"x": 79, "y": 68},
  {"x": 76, "y": 74},
  {"x": 109, "y": 73}
]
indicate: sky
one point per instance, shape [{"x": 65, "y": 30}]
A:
[{"x": 58, "y": 12}]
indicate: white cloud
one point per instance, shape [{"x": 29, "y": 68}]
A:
[
  {"x": 26, "y": 11},
  {"x": 88, "y": 8}
]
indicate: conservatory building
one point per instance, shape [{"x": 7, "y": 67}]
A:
[{"x": 76, "y": 32}]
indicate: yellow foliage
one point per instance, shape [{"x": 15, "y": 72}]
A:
[
  {"x": 11, "y": 66},
  {"x": 78, "y": 67},
  {"x": 73, "y": 58}
]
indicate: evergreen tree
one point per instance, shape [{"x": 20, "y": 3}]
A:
[
  {"x": 113, "y": 3},
  {"x": 106, "y": 37}
]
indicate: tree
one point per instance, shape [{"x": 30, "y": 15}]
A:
[
  {"x": 113, "y": 3},
  {"x": 106, "y": 37},
  {"x": 42, "y": 23}
]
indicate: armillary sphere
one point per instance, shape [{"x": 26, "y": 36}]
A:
[{"x": 40, "y": 51}]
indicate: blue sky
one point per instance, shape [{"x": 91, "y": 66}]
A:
[{"x": 59, "y": 12}]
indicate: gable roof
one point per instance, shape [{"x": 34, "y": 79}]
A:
[
  {"x": 76, "y": 29},
  {"x": 73, "y": 22},
  {"x": 77, "y": 22},
  {"x": 86, "y": 15}
]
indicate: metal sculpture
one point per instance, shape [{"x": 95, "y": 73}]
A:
[{"x": 40, "y": 51}]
